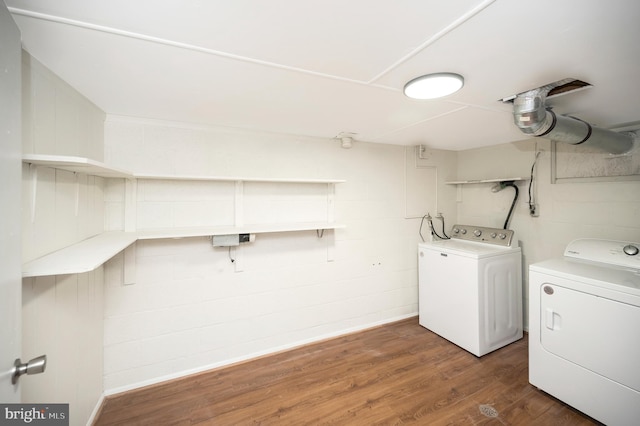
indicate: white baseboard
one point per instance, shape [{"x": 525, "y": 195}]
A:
[
  {"x": 184, "y": 373},
  {"x": 96, "y": 410}
]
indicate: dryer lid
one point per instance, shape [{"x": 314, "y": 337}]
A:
[{"x": 619, "y": 253}]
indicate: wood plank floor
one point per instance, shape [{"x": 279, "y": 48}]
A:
[{"x": 395, "y": 374}]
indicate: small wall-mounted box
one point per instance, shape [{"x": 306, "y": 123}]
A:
[
  {"x": 225, "y": 240},
  {"x": 232, "y": 240}
]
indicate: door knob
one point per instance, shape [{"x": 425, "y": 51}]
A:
[{"x": 34, "y": 366}]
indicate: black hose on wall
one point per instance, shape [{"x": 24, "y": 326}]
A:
[{"x": 513, "y": 204}]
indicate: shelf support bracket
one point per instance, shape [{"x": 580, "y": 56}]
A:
[
  {"x": 331, "y": 195},
  {"x": 320, "y": 233},
  {"x": 33, "y": 171},
  {"x": 77, "y": 185},
  {"x": 239, "y": 203},
  {"x": 129, "y": 265},
  {"x": 130, "y": 204}
]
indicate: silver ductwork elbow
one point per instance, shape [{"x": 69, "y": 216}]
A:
[{"x": 533, "y": 118}]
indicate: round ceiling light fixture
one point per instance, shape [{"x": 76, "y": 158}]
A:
[{"x": 432, "y": 86}]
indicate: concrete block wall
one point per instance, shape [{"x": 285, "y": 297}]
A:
[{"x": 191, "y": 308}]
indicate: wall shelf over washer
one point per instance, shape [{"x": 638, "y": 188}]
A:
[
  {"x": 460, "y": 183},
  {"x": 465, "y": 182}
]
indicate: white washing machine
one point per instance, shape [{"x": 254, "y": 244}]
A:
[
  {"x": 470, "y": 288},
  {"x": 584, "y": 329}
]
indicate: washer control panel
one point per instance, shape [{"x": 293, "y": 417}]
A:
[{"x": 482, "y": 234}]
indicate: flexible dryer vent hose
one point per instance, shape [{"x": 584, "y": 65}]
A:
[{"x": 532, "y": 117}]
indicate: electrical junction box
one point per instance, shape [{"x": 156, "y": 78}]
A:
[
  {"x": 225, "y": 240},
  {"x": 232, "y": 240}
]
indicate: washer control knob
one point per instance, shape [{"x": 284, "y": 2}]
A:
[
  {"x": 502, "y": 236},
  {"x": 463, "y": 231},
  {"x": 493, "y": 235},
  {"x": 477, "y": 232},
  {"x": 630, "y": 250},
  {"x": 456, "y": 231}
]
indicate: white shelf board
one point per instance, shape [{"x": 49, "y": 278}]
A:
[
  {"x": 233, "y": 179},
  {"x": 92, "y": 167},
  {"x": 84, "y": 256},
  {"x": 89, "y": 254},
  {"x": 464, "y": 182},
  {"x": 77, "y": 165},
  {"x": 230, "y": 230}
]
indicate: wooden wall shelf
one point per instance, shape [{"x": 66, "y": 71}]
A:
[
  {"x": 84, "y": 256},
  {"x": 90, "y": 253},
  {"x": 465, "y": 182},
  {"x": 76, "y": 165}
]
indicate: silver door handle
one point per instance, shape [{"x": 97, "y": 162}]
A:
[{"x": 34, "y": 366}]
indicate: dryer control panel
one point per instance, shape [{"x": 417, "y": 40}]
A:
[
  {"x": 482, "y": 234},
  {"x": 619, "y": 253}
]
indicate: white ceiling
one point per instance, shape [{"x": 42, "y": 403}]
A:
[{"x": 323, "y": 67}]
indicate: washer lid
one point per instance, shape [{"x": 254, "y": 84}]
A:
[{"x": 619, "y": 253}]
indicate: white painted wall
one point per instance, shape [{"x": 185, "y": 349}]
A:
[
  {"x": 62, "y": 315},
  {"x": 568, "y": 211},
  {"x": 191, "y": 310},
  {"x": 61, "y": 120}
]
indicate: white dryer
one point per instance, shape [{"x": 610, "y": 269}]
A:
[
  {"x": 584, "y": 329},
  {"x": 470, "y": 288}
]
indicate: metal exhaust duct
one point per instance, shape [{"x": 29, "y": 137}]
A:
[{"x": 533, "y": 118}]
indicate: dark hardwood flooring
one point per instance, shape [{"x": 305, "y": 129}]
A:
[{"x": 391, "y": 375}]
